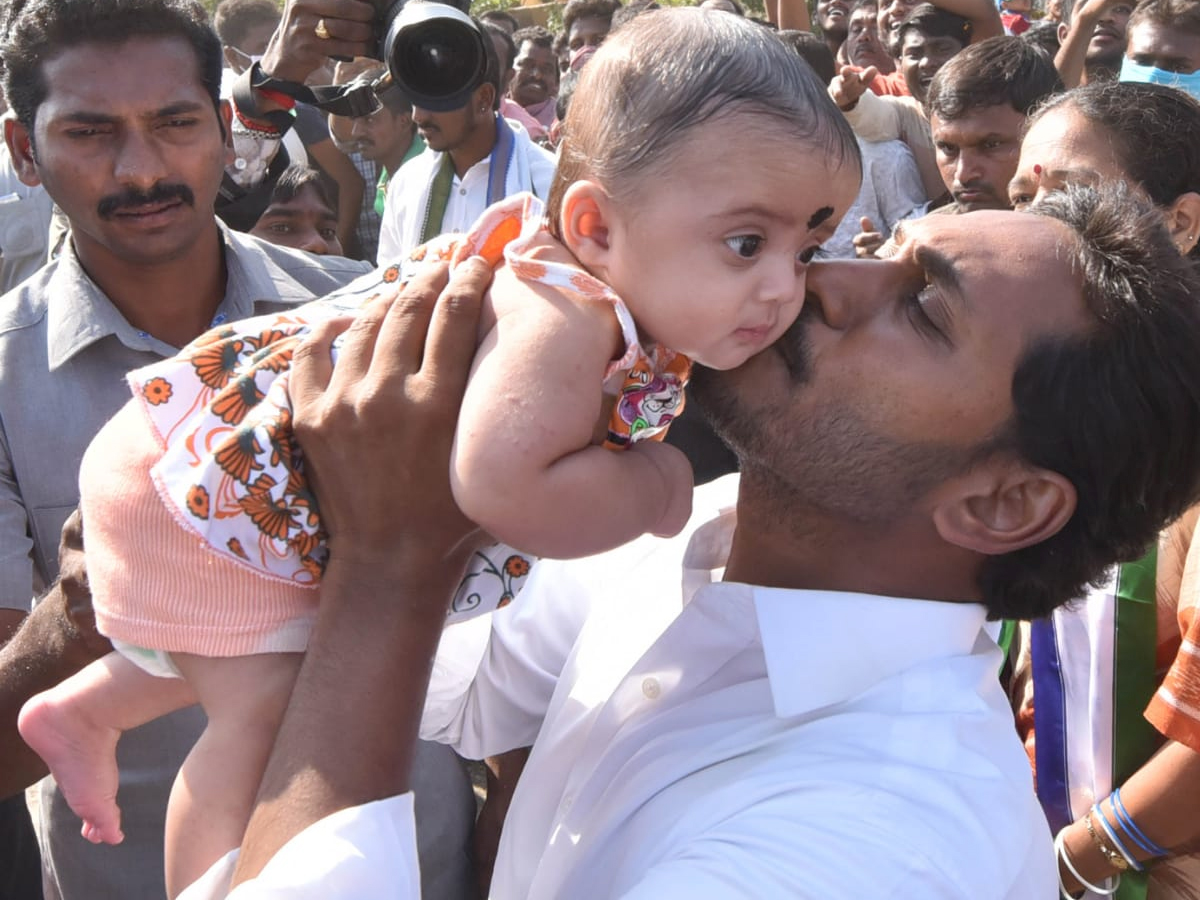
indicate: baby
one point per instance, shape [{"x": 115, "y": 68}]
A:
[{"x": 701, "y": 168}]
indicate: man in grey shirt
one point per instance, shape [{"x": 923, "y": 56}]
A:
[{"x": 131, "y": 143}]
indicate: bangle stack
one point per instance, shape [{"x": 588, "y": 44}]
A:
[
  {"x": 1108, "y": 840},
  {"x": 1060, "y": 851},
  {"x": 1130, "y": 827}
]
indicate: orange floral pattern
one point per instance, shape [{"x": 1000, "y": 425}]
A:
[
  {"x": 157, "y": 391},
  {"x": 197, "y": 501}
]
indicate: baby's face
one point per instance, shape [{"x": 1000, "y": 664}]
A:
[{"x": 710, "y": 252}]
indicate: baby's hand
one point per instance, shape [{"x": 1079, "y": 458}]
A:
[{"x": 677, "y": 485}]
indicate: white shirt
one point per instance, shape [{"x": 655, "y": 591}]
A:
[
  {"x": 404, "y": 202},
  {"x": 891, "y": 189},
  {"x": 699, "y": 739}
]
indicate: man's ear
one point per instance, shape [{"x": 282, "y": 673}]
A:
[
  {"x": 225, "y": 113},
  {"x": 996, "y": 509},
  {"x": 1063, "y": 28},
  {"x": 586, "y": 222},
  {"x": 20, "y": 149},
  {"x": 1183, "y": 221}
]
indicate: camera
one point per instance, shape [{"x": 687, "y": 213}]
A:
[{"x": 434, "y": 51}]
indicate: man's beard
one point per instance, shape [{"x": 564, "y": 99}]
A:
[{"x": 832, "y": 460}]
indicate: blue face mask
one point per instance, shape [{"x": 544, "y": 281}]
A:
[{"x": 1131, "y": 71}]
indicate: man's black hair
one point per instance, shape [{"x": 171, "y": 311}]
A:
[
  {"x": 296, "y": 178},
  {"x": 1114, "y": 408},
  {"x": 588, "y": 9},
  {"x": 999, "y": 71},
  {"x": 1177, "y": 15},
  {"x": 234, "y": 19},
  {"x": 813, "y": 51},
  {"x": 534, "y": 34},
  {"x": 502, "y": 18},
  {"x": 491, "y": 29},
  {"x": 932, "y": 21},
  {"x": 1043, "y": 34},
  {"x": 38, "y": 30}
]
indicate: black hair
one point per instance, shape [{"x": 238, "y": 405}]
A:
[
  {"x": 233, "y": 19},
  {"x": 296, "y": 178},
  {"x": 38, "y": 30},
  {"x": 1115, "y": 408},
  {"x": 510, "y": 44},
  {"x": 588, "y": 9},
  {"x": 1043, "y": 35},
  {"x": 499, "y": 16},
  {"x": 1179, "y": 15},
  {"x": 995, "y": 72},
  {"x": 932, "y": 21},
  {"x": 632, "y": 10},
  {"x": 813, "y": 51},
  {"x": 534, "y": 34}
]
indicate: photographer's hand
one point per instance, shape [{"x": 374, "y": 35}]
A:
[{"x": 313, "y": 30}]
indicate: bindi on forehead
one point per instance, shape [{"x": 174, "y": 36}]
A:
[{"x": 819, "y": 216}]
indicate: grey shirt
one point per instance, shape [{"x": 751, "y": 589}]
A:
[{"x": 64, "y": 349}]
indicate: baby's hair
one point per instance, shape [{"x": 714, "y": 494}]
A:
[{"x": 669, "y": 70}]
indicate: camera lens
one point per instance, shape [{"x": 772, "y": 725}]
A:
[
  {"x": 438, "y": 58},
  {"x": 436, "y": 54}
]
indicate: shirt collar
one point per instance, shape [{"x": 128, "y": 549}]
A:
[
  {"x": 79, "y": 313},
  {"x": 806, "y": 668}
]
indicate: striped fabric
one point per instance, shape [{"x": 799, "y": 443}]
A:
[{"x": 1093, "y": 675}]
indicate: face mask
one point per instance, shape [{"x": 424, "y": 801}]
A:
[
  {"x": 1189, "y": 83},
  {"x": 249, "y": 59}
]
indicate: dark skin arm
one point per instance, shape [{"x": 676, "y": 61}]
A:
[
  {"x": 55, "y": 641},
  {"x": 376, "y": 433}
]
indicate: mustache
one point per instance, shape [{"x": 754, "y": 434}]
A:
[
  {"x": 793, "y": 345},
  {"x": 132, "y": 198}
]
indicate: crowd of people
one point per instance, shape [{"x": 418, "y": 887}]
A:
[{"x": 771, "y": 445}]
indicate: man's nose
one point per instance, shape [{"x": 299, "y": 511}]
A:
[
  {"x": 967, "y": 168},
  {"x": 311, "y": 240},
  {"x": 846, "y": 292},
  {"x": 358, "y": 126},
  {"x": 140, "y": 160}
]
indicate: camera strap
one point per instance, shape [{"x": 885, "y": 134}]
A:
[{"x": 355, "y": 99}]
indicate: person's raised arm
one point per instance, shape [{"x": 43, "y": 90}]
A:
[
  {"x": 982, "y": 14},
  {"x": 1072, "y": 53},
  {"x": 376, "y": 433}
]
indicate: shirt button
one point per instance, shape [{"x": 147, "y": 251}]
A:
[
  {"x": 566, "y": 802},
  {"x": 462, "y": 192},
  {"x": 240, "y": 164},
  {"x": 651, "y": 688}
]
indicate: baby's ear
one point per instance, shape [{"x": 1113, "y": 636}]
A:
[{"x": 586, "y": 217}]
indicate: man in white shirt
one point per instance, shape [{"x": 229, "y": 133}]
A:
[
  {"x": 474, "y": 157},
  {"x": 796, "y": 697}
]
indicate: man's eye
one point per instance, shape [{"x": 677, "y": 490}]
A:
[
  {"x": 279, "y": 228},
  {"x": 745, "y": 245},
  {"x": 914, "y": 307},
  {"x": 947, "y": 149},
  {"x": 328, "y": 234}
]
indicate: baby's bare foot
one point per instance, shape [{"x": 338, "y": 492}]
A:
[{"x": 82, "y": 756}]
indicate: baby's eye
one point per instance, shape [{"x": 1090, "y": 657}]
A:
[{"x": 745, "y": 245}]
